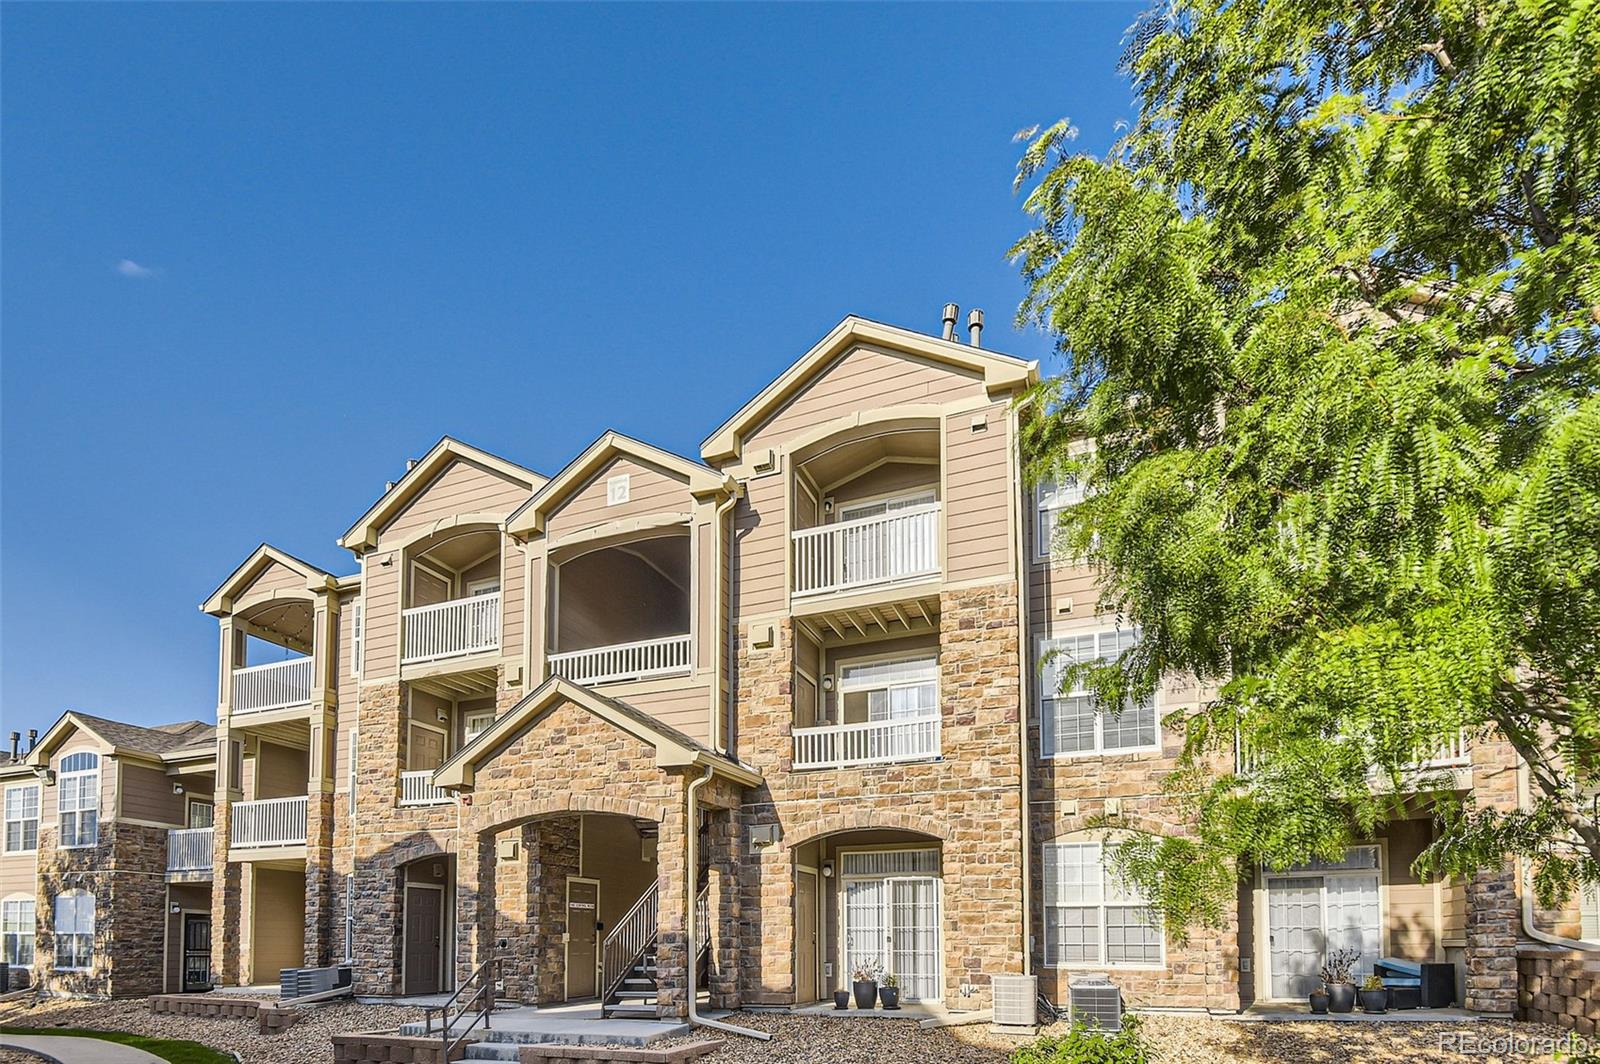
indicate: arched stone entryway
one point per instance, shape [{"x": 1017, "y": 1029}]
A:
[{"x": 561, "y": 759}]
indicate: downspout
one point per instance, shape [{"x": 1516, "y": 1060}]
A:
[
  {"x": 691, "y": 924},
  {"x": 719, "y": 701},
  {"x": 1524, "y": 884},
  {"x": 1025, "y": 678}
]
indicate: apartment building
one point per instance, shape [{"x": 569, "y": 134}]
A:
[
  {"x": 105, "y": 867},
  {"x": 745, "y": 722}
]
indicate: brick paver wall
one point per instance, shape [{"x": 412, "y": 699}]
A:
[{"x": 1559, "y": 986}]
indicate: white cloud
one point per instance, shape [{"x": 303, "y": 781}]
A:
[{"x": 129, "y": 268}]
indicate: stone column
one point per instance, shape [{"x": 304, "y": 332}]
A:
[
  {"x": 475, "y": 902},
  {"x": 320, "y": 876},
  {"x": 1493, "y": 916},
  {"x": 721, "y": 841},
  {"x": 676, "y": 889},
  {"x": 553, "y": 856},
  {"x": 379, "y": 908},
  {"x": 227, "y": 880},
  {"x": 512, "y": 916}
]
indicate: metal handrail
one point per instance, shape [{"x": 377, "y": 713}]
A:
[
  {"x": 487, "y": 970},
  {"x": 619, "y": 955}
]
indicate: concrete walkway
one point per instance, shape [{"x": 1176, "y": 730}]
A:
[{"x": 72, "y": 1050}]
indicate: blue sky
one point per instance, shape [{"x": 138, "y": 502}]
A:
[{"x": 254, "y": 257}]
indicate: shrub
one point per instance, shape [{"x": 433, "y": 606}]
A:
[{"x": 1086, "y": 1045}]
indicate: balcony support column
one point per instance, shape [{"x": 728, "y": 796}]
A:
[
  {"x": 320, "y": 877},
  {"x": 227, "y": 896}
]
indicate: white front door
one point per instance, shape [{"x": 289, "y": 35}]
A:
[
  {"x": 893, "y": 923},
  {"x": 1294, "y": 930},
  {"x": 1309, "y": 917}
]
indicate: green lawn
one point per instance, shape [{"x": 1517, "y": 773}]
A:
[{"x": 166, "y": 1048}]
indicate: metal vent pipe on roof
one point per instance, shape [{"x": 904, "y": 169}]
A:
[
  {"x": 33, "y": 739},
  {"x": 951, "y": 313},
  {"x": 975, "y": 327},
  {"x": 16, "y": 745}
]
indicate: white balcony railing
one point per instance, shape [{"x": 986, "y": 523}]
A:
[
  {"x": 624, "y": 661},
  {"x": 1453, "y": 752},
  {"x": 450, "y": 629},
  {"x": 269, "y": 822},
  {"x": 189, "y": 850},
  {"x": 900, "y": 545},
  {"x": 875, "y": 742},
  {"x": 416, "y": 788},
  {"x": 276, "y": 685}
]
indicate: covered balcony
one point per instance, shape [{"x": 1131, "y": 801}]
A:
[
  {"x": 867, "y": 513},
  {"x": 621, "y": 613},
  {"x": 269, "y": 822},
  {"x": 188, "y": 854},
  {"x": 273, "y": 658},
  {"x": 452, "y": 595},
  {"x": 868, "y": 708}
]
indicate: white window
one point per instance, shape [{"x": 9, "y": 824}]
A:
[
  {"x": 16, "y": 931},
  {"x": 74, "y": 930},
  {"x": 475, "y": 724},
  {"x": 617, "y": 490},
  {"x": 1591, "y": 913},
  {"x": 1069, "y": 722},
  {"x": 355, "y": 639},
  {"x": 22, "y": 818},
  {"x": 349, "y": 917},
  {"x": 855, "y": 511},
  {"x": 1091, "y": 918},
  {"x": 1053, "y": 498},
  {"x": 202, "y": 814},
  {"x": 78, "y": 797},
  {"x": 896, "y": 689}
]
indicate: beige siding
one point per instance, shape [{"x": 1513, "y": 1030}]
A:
[
  {"x": 280, "y": 771},
  {"x": 348, "y": 686},
  {"x": 613, "y": 853},
  {"x": 381, "y": 621},
  {"x": 889, "y": 479},
  {"x": 17, "y": 873},
  {"x": 650, "y": 490},
  {"x": 686, "y": 708},
  {"x": 272, "y": 579},
  {"x": 278, "y": 913},
  {"x": 147, "y": 795},
  {"x": 1411, "y": 919},
  {"x": 108, "y": 787},
  {"x": 978, "y": 499},
  {"x": 462, "y": 487},
  {"x": 512, "y": 603},
  {"x": 1049, "y": 583},
  {"x": 1453, "y": 912},
  {"x": 762, "y": 545},
  {"x": 704, "y": 566},
  {"x": 864, "y": 378}
]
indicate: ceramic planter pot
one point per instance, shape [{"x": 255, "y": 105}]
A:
[
  {"x": 841, "y": 999},
  {"x": 1319, "y": 1002},
  {"x": 1375, "y": 1000},
  {"x": 1341, "y": 997},
  {"x": 889, "y": 996},
  {"x": 866, "y": 993}
]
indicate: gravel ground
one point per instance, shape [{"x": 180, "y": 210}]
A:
[
  {"x": 304, "y": 1043},
  {"x": 11, "y": 1056},
  {"x": 828, "y": 1040}
]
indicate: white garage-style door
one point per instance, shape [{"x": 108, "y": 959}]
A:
[{"x": 1315, "y": 909}]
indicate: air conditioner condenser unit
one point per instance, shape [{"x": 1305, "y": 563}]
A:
[{"x": 1095, "y": 1001}]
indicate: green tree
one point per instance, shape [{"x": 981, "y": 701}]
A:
[{"x": 1330, "y": 312}]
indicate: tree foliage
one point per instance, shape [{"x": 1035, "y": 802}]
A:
[{"x": 1330, "y": 311}]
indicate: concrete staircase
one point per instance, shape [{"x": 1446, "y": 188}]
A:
[{"x": 635, "y": 997}]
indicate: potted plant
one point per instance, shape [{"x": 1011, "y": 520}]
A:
[
  {"x": 1374, "y": 995},
  {"x": 889, "y": 992},
  {"x": 1336, "y": 977},
  {"x": 865, "y": 983},
  {"x": 1319, "y": 1001},
  {"x": 841, "y": 999}
]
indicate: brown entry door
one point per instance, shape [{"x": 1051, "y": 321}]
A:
[
  {"x": 805, "y": 937},
  {"x": 427, "y": 748},
  {"x": 424, "y": 939},
  {"x": 583, "y": 914}
]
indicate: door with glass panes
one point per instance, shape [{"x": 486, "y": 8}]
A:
[{"x": 891, "y": 919}]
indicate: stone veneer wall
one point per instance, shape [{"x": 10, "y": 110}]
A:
[
  {"x": 1559, "y": 986},
  {"x": 1067, "y": 794},
  {"x": 1494, "y": 917},
  {"x": 125, "y": 870},
  {"x": 970, "y": 800}
]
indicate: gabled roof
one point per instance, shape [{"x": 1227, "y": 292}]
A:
[
  {"x": 123, "y": 738},
  {"x": 220, "y": 601},
  {"x": 364, "y": 533},
  {"x": 1001, "y": 373},
  {"x": 529, "y": 517},
  {"x": 673, "y": 748}
]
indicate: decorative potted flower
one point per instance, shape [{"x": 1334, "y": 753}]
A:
[
  {"x": 1374, "y": 995},
  {"x": 865, "y": 983},
  {"x": 1336, "y": 977},
  {"x": 841, "y": 999},
  {"x": 889, "y": 992}
]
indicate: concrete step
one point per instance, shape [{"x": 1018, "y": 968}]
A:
[
  {"x": 622, "y": 1011},
  {"x": 492, "y": 1051},
  {"x": 645, "y": 994}
]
